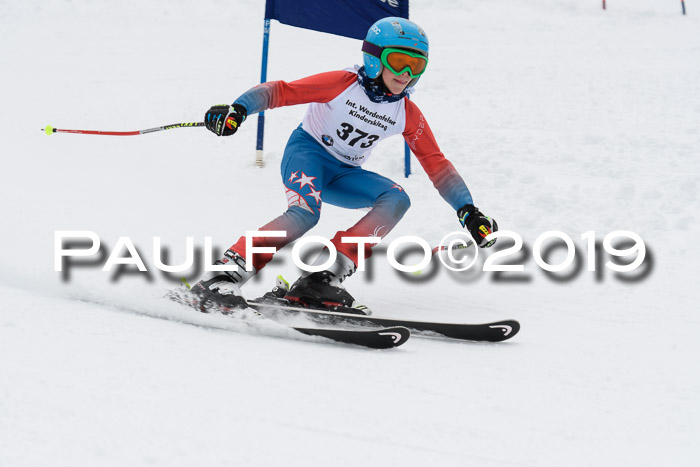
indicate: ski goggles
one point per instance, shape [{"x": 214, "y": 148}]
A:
[{"x": 399, "y": 61}]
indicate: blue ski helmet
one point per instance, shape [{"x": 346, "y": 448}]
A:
[{"x": 392, "y": 32}]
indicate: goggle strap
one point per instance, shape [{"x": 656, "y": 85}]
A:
[{"x": 372, "y": 49}]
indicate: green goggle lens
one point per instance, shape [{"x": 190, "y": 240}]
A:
[{"x": 399, "y": 61}]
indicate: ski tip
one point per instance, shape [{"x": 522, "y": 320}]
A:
[
  {"x": 49, "y": 130},
  {"x": 398, "y": 335},
  {"x": 384, "y": 338},
  {"x": 506, "y": 329}
]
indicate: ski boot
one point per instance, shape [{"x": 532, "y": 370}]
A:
[
  {"x": 323, "y": 289},
  {"x": 222, "y": 289}
]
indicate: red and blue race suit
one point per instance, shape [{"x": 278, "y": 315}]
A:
[{"x": 322, "y": 159}]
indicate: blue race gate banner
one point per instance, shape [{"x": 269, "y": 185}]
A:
[{"x": 349, "y": 18}]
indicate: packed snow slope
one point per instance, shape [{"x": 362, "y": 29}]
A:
[{"x": 559, "y": 115}]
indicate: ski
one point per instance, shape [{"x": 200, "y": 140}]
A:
[
  {"x": 490, "y": 332},
  {"x": 380, "y": 338}
]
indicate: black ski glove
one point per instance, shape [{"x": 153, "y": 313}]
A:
[
  {"x": 478, "y": 225},
  {"x": 224, "y": 120}
]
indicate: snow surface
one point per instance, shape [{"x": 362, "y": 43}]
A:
[{"x": 559, "y": 115}]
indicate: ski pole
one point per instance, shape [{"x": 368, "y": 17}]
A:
[
  {"x": 459, "y": 246},
  {"x": 49, "y": 130},
  {"x": 452, "y": 247}
]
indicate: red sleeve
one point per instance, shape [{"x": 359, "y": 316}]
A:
[
  {"x": 442, "y": 173},
  {"x": 323, "y": 87}
]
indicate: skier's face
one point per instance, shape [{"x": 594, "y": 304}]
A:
[{"x": 395, "y": 83}]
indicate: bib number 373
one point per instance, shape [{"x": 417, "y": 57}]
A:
[{"x": 348, "y": 130}]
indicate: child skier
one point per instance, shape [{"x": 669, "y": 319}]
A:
[{"x": 349, "y": 113}]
